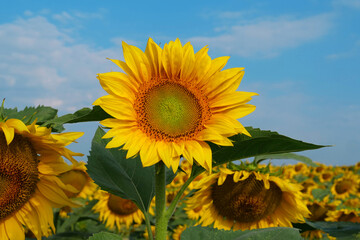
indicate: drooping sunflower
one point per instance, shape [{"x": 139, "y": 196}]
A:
[
  {"x": 31, "y": 158},
  {"x": 320, "y": 209},
  {"x": 117, "y": 211},
  {"x": 170, "y": 101},
  {"x": 344, "y": 215},
  {"x": 248, "y": 200},
  {"x": 80, "y": 179}
]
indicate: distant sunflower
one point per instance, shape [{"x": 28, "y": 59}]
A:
[
  {"x": 320, "y": 209},
  {"x": 326, "y": 176},
  {"x": 316, "y": 234},
  {"x": 248, "y": 200},
  {"x": 117, "y": 211},
  {"x": 78, "y": 178},
  {"x": 346, "y": 185},
  {"x": 178, "y": 231},
  {"x": 30, "y": 161},
  {"x": 170, "y": 101},
  {"x": 344, "y": 215}
]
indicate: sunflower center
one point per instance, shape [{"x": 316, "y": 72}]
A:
[
  {"x": 343, "y": 186},
  {"x": 121, "y": 206},
  {"x": 245, "y": 201},
  {"x": 18, "y": 173},
  {"x": 168, "y": 110},
  {"x": 75, "y": 178}
]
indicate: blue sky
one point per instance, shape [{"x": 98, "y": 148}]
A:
[{"x": 302, "y": 57}]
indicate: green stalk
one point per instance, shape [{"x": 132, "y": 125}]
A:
[
  {"x": 148, "y": 226},
  {"x": 171, "y": 209},
  {"x": 160, "y": 202}
]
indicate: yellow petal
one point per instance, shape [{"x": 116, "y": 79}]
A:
[
  {"x": 8, "y": 132},
  {"x": 154, "y": 53},
  {"x": 137, "y": 62}
]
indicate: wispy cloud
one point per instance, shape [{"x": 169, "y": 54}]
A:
[
  {"x": 267, "y": 37},
  {"x": 347, "y": 3},
  {"x": 42, "y": 64}
]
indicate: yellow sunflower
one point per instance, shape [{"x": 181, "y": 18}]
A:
[
  {"x": 170, "y": 101},
  {"x": 346, "y": 185},
  {"x": 78, "y": 178},
  {"x": 30, "y": 161},
  {"x": 343, "y": 215},
  {"x": 117, "y": 211},
  {"x": 319, "y": 209},
  {"x": 248, "y": 200},
  {"x": 178, "y": 231},
  {"x": 316, "y": 234}
]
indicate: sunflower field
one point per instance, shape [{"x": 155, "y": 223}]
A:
[{"x": 170, "y": 160}]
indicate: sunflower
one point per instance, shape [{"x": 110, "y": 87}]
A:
[
  {"x": 248, "y": 200},
  {"x": 30, "y": 161},
  {"x": 316, "y": 234},
  {"x": 344, "y": 215},
  {"x": 117, "y": 211},
  {"x": 170, "y": 101},
  {"x": 319, "y": 209},
  {"x": 346, "y": 185},
  {"x": 326, "y": 176},
  {"x": 178, "y": 231},
  {"x": 78, "y": 178}
]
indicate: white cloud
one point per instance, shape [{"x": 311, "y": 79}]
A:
[
  {"x": 43, "y": 62},
  {"x": 267, "y": 38},
  {"x": 53, "y": 102},
  {"x": 347, "y": 3},
  {"x": 63, "y": 17}
]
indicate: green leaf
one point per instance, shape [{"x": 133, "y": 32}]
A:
[
  {"x": 319, "y": 193},
  {"x": 105, "y": 236},
  {"x": 82, "y": 115},
  {"x": 261, "y": 142},
  {"x": 29, "y": 114},
  {"x": 68, "y": 223},
  {"x": 277, "y": 233},
  {"x": 340, "y": 230},
  {"x": 123, "y": 177},
  {"x": 293, "y": 156}
]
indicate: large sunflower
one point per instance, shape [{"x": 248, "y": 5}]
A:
[
  {"x": 247, "y": 200},
  {"x": 170, "y": 101},
  {"x": 30, "y": 160},
  {"x": 117, "y": 211}
]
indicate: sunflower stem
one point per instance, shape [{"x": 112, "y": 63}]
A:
[
  {"x": 148, "y": 226},
  {"x": 160, "y": 201}
]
